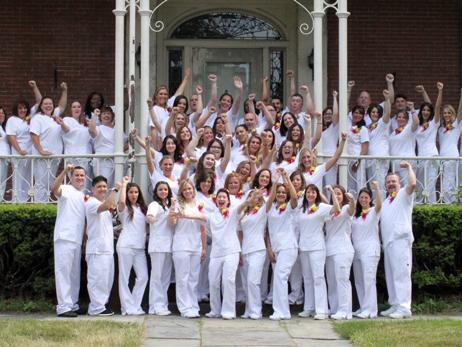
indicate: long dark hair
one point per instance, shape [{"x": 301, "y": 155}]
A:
[
  {"x": 159, "y": 200},
  {"x": 432, "y": 112},
  {"x": 176, "y": 154},
  {"x": 317, "y": 201},
  {"x": 177, "y": 100},
  {"x": 88, "y": 108},
  {"x": 202, "y": 178},
  {"x": 302, "y": 135},
  {"x": 256, "y": 183},
  {"x": 344, "y": 198},
  {"x": 359, "y": 209},
  {"x": 283, "y": 129},
  {"x": 4, "y": 121},
  {"x": 16, "y": 107},
  {"x": 221, "y": 145},
  {"x": 201, "y": 170},
  {"x": 140, "y": 201},
  {"x": 361, "y": 110}
]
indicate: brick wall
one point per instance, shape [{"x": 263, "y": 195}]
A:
[
  {"x": 418, "y": 40},
  {"x": 75, "y": 38}
]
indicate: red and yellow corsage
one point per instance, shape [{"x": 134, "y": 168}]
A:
[
  {"x": 373, "y": 126},
  {"x": 364, "y": 213},
  {"x": 399, "y": 130},
  {"x": 255, "y": 209},
  {"x": 282, "y": 208},
  {"x": 425, "y": 126},
  {"x": 239, "y": 194},
  {"x": 311, "y": 170},
  {"x": 312, "y": 209},
  {"x": 355, "y": 130},
  {"x": 336, "y": 214},
  {"x": 291, "y": 160},
  {"x": 86, "y": 197},
  {"x": 300, "y": 193},
  {"x": 277, "y": 125},
  {"x": 224, "y": 212},
  {"x": 214, "y": 198},
  {"x": 392, "y": 196},
  {"x": 200, "y": 206},
  {"x": 448, "y": 127}
]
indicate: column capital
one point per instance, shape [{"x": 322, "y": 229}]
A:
[
  {"x": 118, "y": 12},
  {"x": 318, "y": 14},
  {"x": 144, "y": 12},
  {"x": 343, "y": 14}
]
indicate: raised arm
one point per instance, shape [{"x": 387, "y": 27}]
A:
[
  {"x": 200, "y": 105},
  {"x": 239, "y": 86},
  {"x": 439, "y": 101},
  {"x": 318, "y": 131},
  {"x": 92, "y": 125},
  {"x": 56, "y": 188},
  {"x": 335, "y": 117},
  {"x": 390, "y": 79},
  {"x": 338, "y": 152},
  {"x": 152, "y": 114},
  {"x": 213, "y": 91},
  {"x": 421, "y": 90},
  {"x": 184, "y": 82},
  {"x": 307, "y": 125},
  {"x": 272, "y": 196},
  {"x": 268, "y": 117},
  {"x": 350, "y": 87},
  {"x": 378, "y": 196},
  {"x": 191, "y": 148},
  {"x": 411, "y": 179},
  {"x": 227, "y": 154},
  {"x": 336, "y": 205},
  {"x": 171, "y": 120},
  {"x": 203, "y": 119},
  {"x": 386, "y": 106},
  {"x": 351, "y": 204},
  {"x": 415, "y": 117},
  {"x": 292, "y": 191},
  {"x": 123, "y": 194},
  {"x": 62, "y": 103},
  {"x": 293, "y": 88},
  {"x": 459, "y": 109},
  {"x": 110, "y": 200},
  {"x": 147, "y": 150},
  {"x": 265, "y": 97},
  {"x": 308, "y": 100},
  {"x": 36, "y": 92}
]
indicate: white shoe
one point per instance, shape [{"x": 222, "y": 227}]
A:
[
  {"x": 191, "y": 315},
  {"x": 306, "y": 314},
  {"x": 320, "y": 316},
  {"x": 275, "y": 317},
  {"x": 227, "y": 317},
  {"x": 212, "y": 315},
  {"x": 245, "y": 316},
  {"x": 254, "y": 316},
  {"x": 363, "y": 315},
  {"x": 163, "y": 313},
  {"x": 268, "y": 301},
  {"x": 338, "y": 316},
  {"x": 388, "y": 312},
  {"x": 356, "y": 313},
  {"x": 398, "y": 314}
]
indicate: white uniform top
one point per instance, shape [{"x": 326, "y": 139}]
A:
[
  {"x": 338, "y": 233},
  {"x": 160, "y": 232},
  {"x": 426, "y": 139},
  {"x": 77, "y": 139},
  {"x": 448, "y": 140},
  {"x": 100, "y": 231},
  {"x": 224, "y": 232},
  {"x": 396, "y": 218},
  {"x": 329, "y": 139},
  {"x": 209, "y": 205},
  {"x": 162, "y": 115},
  {"x": 403, "y": 144},
  {"x": 177, "y": 167},
  {"x": 49, "y": 133},
  {"x": 236, "y": 200},
  {"x": 365, "y": 234},
  {"x": 355, "y": 140},
  {"x": 159, "y": 176},
  {"x": 70, "y": 218},
  {"x": 311, "y": 227},
  {"x": 15, "y": 126},
  {"x": 238, "y": 154},
  {"x": 253, "y": 229},
  {"x": 232, "y": 118},
  {"x": 187, "y": 236},
  {"x": 290, "y": 167},
  {"x": 104, "y": 141},
  {"x": 379, "y": 139},
  {"x": 281, "y": 228},
  {"x": 316, "y": 177},
  {"x": 133, "y": 231},
  {"x": 4, "y": 145}
]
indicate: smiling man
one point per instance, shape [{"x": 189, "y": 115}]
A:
[{"x": 68, "y": 234}]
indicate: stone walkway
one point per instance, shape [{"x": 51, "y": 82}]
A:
[{"x": 176, "y": 331}]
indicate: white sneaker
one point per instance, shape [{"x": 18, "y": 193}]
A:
[
  {"x": 254, "y": 316},
  {"x": 387, "y": 313},
  {"x": 245, "y": 316},
  {"x": 363, "y": 315},
  {"x": 306, "y": 314},
  {"x": 212, "y": 315},
  {"x": 356, "y": 313},
  {"x": 227, "y": 317},
  {"x": 275, "y": 317},
  {"x": 191, "y": 315},
  {"x": 320, "y": 316},
  {"x": 398, "y": 314},
  {"x": 338, "y": 316},
  {"x": 163, "y": 313}
]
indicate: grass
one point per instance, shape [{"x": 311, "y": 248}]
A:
[
  {"x": 94, "y": 333},
  {"x": 27, "y": 306},
  {"x": 421, "y": 333}
]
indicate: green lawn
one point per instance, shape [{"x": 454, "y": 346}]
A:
[
  {"x": 409, "y": 333},
  {"x": 81, "y": 333}
]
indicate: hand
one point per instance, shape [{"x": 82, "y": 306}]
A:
[
  {"x": 228, "y": 137},
  {"x": 147, "y": 141},
  {"x": 307, "y": 117},
  {"x": 212, "y": 109},
  {"x": 32, "y": 84},
  {"x": 125, "y": 180},
  {"x": 290, "y": 73},
  {"x": 133, "y": 133},
  {"x": 175, "y": 111},
  {"x": 410, "y": 105},
  {"x": 404, "y": 164},
  {"x": 271, "y": 256},
  {"x": 265, "y": 79},
  {"x": 238, "y": 83},
  {"x": 386, "y": 94},
  {"x": 329, "y": 188},
  {"x": 343, "y": 136},
  {"x": 203, "y": 254},
  {"x": 350, "y": 196},
  {"x": 23, "y": 152},
  {"x": 389, "y": 78},
  {"x": 69, "y": 168},
  {"x": 58, "y": 120},
  {"x": 252, "y": 158},
  {"x": 304, "y": 89},
  {"x": 118, "y": 185},
  {"x": 45, "y": 153},
  {"x": 318, "y": 115},
  {"x": 150, "y": 219},
  {"x": 439, "y": 85},
  {"x": 97, "y": 112},
  {"x": 260, "y": 105},
  {"x": 420, "y": 89},
  {"x": 276, "y": 175},
  {"x": 251, "y": 96},
  {"x": 212, "y": 78},
  {"x": 150, "y": 103},
  {"x": 351, "y": 84},
  {"x": 334, "y": 93},
  {"x": 224, "y": 118},
  {"x": 375, "y": 185},
  {"x": 200, "y": 132},
  {"x": 63, "y": 86},
  {"x": 199, "y": 90}
]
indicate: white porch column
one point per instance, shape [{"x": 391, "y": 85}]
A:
[
  {"x": 318, "y": 15},
  {"x": 144, "y": 12},
  {"x": 342, "y": 15},
  {"x": 119, "y": 13}
]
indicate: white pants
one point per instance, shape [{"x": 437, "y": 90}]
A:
[
  {"x": 296, "y": 282},
  {"x": 100, "y": 277},
  {"x": 330, "y": 177},
  {"x": 376, "y": 171},
  {"x": 67, "y": 275},
  {"x": 3, "y": 177},
  {"x": 449, "y": 180},
  {"x": 265, "y": 288},
  {"x": 130, "y": 301},
  {"x": 338, "y": 267},
  {"x": 187, "y": 268},
  {"x": 365, "y": 272},
  {"x": 398, "y": 266},
  {"x": 161, "y": 272},
  {"x": 240, "y": 284},
  {"x": 356, "y": 180},
  {"x": 285, "y": 260},
  {"x": 222, "y": 274},
  {"x": 104, "y": 167},
  {"x": 313, "y": 278},
  {"x": 21, "y": 179},
  {"x": 203, "y": 286},
  {"x": 44, "y": 176},
  {"x": 253, "y": 267},
  {"x": 427, "y": 174}
]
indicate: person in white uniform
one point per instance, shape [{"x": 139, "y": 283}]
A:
[
  {"x": 282, "y": 246},
  {"x": 397, "y": 239},
  {"x": 253, "y": 226},
  {"x": 4, "y": 150},
  {"x": 160, "y": 248},
  {"x": 366, "y": 243},
  {"x": 339, "y": 256},
  {"x": 131, "y": 247},
  {"x": 225, "y": 254},
  {"x": 329, "y": 137},
  {"x": 45, "y": 131},
  {"x": 18, "y": 132},
  {"x": 189, "y": 248},
  {"x": 310, "y": 220},
  {"x": 68, "y": 235}
]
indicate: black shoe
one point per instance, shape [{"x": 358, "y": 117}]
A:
[
  {"x": 68, "y": 314},
  {"x": 80, "y": 311},
  {"x": 106, "y": 312}
]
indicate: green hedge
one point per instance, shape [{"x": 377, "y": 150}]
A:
[{"x": 26, "y": 251}]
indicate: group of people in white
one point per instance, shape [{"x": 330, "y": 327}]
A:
[{"x": 232, "y": 196}]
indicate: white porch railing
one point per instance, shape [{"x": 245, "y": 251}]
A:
[{"x": 28, "y": 179}]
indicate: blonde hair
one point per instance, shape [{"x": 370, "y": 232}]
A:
[
  {"x": 181, "y": 189},
  {"x": 452, "y": 111},
  {"x": 302, "y": 167}
]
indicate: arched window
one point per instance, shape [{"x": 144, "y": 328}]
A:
[{"x": 226, "y": 26}]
